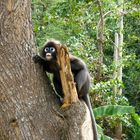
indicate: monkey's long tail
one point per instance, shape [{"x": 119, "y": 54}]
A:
[{"x": 87, "y": 101}]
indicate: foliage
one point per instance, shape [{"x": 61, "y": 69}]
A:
[
  {"x": 112, "y": 110},
  {"x": 101, "y": 134},
  {"x": 132, "y": 59}
]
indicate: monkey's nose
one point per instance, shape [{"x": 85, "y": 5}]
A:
[{"x": 48, "y": 56}]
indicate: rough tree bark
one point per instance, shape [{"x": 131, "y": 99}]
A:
[{"x": 29, "y": 109}]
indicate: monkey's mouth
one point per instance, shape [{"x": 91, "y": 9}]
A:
[{"x": 48, "y": 56}]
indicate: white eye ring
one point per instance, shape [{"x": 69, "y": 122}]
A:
[
  {"x": 46, "y": 49},
  {"x": 52, "y": 49}
]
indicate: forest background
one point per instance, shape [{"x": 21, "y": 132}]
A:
[{"x": 89, "y": 28}]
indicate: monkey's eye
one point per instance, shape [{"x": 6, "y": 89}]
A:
[
  {"x": 46, "y": 49},
  {"x": 52, "y": 49}
]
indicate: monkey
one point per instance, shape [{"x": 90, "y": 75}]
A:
[{"x": 79, "y": 70}]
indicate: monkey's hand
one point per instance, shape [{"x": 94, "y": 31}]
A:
[{"x": 38, "y": 59}]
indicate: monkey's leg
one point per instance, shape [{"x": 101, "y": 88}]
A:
[
  {"x": 58, "y": 86},
  {"x": 80, "y": 79}
]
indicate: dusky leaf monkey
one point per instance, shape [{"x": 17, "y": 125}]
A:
[{"x": 48, "y": 60}]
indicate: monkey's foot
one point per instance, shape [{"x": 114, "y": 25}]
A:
[{"x": 65, "y": 105}]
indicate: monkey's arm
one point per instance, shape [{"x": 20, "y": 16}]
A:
[{"x": 38, "y": 59}]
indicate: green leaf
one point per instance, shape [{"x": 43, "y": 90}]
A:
[
  {"x": 104, "y": 137},
  {"x": 112, "y": 110},
  {"x": 136, "y": 117}
]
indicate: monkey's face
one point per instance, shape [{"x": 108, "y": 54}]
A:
[{"x": 49, "y": 53}]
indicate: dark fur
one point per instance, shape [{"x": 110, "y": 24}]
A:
[{"x": 80, "y": 73}]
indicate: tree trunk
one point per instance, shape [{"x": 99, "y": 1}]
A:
[
  {"x": 118, "y": 62},
  {"x": 29, "y": 109},
  {"x": 100, "y": 41}
]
